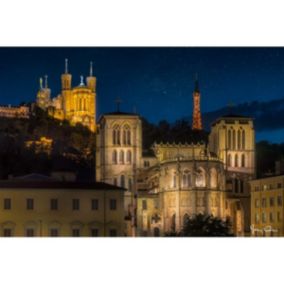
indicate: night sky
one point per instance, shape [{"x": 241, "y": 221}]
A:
[{"x": 157, "y": 82}]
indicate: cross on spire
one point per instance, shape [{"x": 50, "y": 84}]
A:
[{"x": 118, "y": 101}]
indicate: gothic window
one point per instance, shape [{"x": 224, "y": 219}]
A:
[
  {"x": 243, "y": 140},
  {"x": 116, "y": 135},
  {"x": 128, "y": 157},
  {"x": 229, "y": 160},
  {"x": 243, "y": 161},
  {"x": 114, "y": 157},
  {"x": 236, "y": 160},
  {"x": 234, "y": 139},
  {"x": 229, "y": 139},
  {"x": 121, "y": 157},
  {"x": 186, "y": 179},
  {"x": 126, "y": 135},
  {"x": 200, "y": 178},
  {"x": 239, "y": 139},
  {"x": 122, "y": 181}
]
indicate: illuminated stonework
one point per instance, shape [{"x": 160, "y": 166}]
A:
[
  {"x": 75, "y": 104},
  {"x": 14, "y": 111}
]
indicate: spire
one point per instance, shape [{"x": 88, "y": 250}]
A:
[
  {"x": 66, "y": 65},
  {"x": 45, "y": 81},
  {"x": 196, "y": 85},
  {"x": 91, "y": 69},
  {"x": 82, "y": 80},
  {"x": 40, "y": 83}
]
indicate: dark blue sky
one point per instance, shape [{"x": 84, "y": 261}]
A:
[{"x": 157, "y": 81}]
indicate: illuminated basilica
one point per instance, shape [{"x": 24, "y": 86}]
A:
[
  {"x": 75, "y": 104},
  {"x": 179, "y": 180}
]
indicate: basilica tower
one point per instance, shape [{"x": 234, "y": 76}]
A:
[
  {"x": 196, "y": 116},
  {"x": 66, "y": 85}
]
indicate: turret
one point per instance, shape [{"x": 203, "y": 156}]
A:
[
  {"x": 66, "y": 78},
  {"x": 91, "y": 80}
]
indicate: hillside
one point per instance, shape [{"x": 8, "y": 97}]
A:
[{"x": 72, "y": 147}]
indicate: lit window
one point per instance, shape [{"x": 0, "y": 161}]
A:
[
  {"x": 236, "y": 161},
  {"x": 256, "y": 203},
  {"x": 263, "y": 203},
  {"x": 271, "y": 201},
  {"x": 114, "y": 157},
  {"x": 243, "y": 163},
  {"x": 271, "y": 217},
  {"x": 7, "y": 203},
  {"x": 121, "y": 157}
]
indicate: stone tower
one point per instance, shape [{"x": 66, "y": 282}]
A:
[
  {"x": 66, "y": 85},
  {"x": 196, "y": 117}
]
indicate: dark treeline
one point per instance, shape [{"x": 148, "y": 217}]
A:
[{"x": 72, "y": 149}]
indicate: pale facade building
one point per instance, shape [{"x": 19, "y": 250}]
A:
[
  {"x": 60, "y": 209},
  {"x": 15, "y": 111}
]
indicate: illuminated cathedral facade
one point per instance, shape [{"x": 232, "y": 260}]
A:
[
  {"x": 178, "y": 180},
  {"x": 75, "y": 104}
]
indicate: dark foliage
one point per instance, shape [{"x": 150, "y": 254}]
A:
[{"x": 201, "y": 225}]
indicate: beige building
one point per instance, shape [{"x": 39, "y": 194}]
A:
[
  {"x": 75, "y": 104},
  {"x": 50, "y": 208},
  {"x": 267, "y": 206},
  {"x": 232, "y": 139},
  {"x": 15, "y": 111}
]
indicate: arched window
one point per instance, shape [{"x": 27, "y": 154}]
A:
[
  {"x": 128, "y": 157},
  {"x": 126, "y": 135},
  {"x": 229, "y": 160},
  {"x": 239, "y": 139},
  {"x": 122, "y": 181},
  {"x": 189, "y": 183},
  {"x": 243, "y": 162},
  {"x": 200, "y": 178},
  {"x": 121, "y": 157},
  {"x": 114, "y": 156},
  {"x": 184, "y": 180},
  {"x": 185, "y": 219},
  {"x": 234, "y": 139},
  {"x": 243, "y": 140},
  {"x": 236, "y": 160},
  {"x": 116, "y": 135},
  {"x": 229, "y": 139}
]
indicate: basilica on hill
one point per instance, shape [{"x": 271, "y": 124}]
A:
[{"x": 175, "y": 182}]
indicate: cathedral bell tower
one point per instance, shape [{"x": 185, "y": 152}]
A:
[
  {"x": 196, "y": 117},
  {"x": 91, "y": 80},
  {"x": 66, "y": 83}
]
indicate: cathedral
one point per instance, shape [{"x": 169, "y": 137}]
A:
[
  {"x": 75, "y": 104},
  {"x": 178, "y": 180}
]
